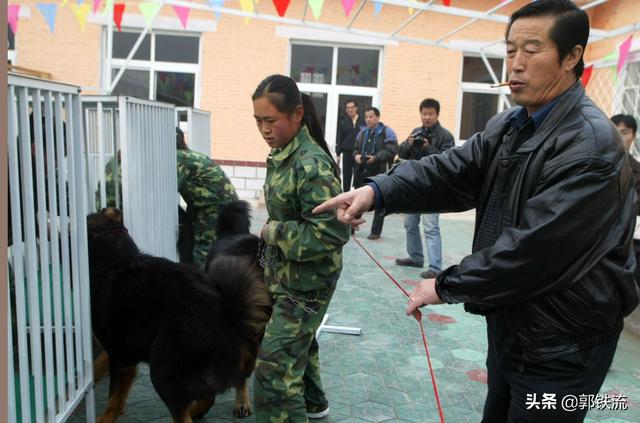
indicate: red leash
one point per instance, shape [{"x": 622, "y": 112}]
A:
[{"x": 418, "y": 317}]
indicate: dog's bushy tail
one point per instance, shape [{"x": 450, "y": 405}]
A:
[
  {"x": 234, "y": 219},
  {"x": 246, "y": 301}
]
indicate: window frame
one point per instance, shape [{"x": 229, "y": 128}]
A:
[
  {"x": 479, "y": 88},
  {"x": 153, "y": 66},
  {"x": 334, "y": 90},
  {"x": 11, "y": 53}
]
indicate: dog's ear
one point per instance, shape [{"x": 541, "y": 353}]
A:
[{"x": 113, "y": 214}]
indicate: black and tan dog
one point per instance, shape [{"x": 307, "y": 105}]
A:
[{"x": 199, "y": 333}]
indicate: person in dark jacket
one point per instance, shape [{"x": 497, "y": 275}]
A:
[
  {"x": 374, "y": 149},
  {"x": 429, "y": 138},
  {"x": 552, "y": 264},
  {"x": 628, "y": 128},
  {"x": 348, "y": 128}
]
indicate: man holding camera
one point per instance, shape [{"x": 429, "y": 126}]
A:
[
  {"x": 430, "y": 138},
  {"x": 374, "y": 149}
]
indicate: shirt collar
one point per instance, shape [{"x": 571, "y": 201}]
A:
[
  {"x": 521, "y": 117},
  {"x": 278, "y": 155}
]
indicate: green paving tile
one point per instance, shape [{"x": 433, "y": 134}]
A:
[{"x": 382, "y": 375}]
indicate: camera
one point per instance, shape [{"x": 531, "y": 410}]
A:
[{"x": 418, "y": 140}]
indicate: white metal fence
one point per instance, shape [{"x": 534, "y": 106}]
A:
[
  {"x": 143, "y": 131},
  {"x": 49, "y": 349},
  {"x": 198, "y": 128},
  {"x": 617, "y": 93}
]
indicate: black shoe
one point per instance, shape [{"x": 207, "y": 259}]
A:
[
  {"x": 407, "y": 262},
  {"x": 429, "y": 274},
  {"x": 373, "y": 236}
]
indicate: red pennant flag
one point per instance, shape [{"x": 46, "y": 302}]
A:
[
  {"x": 118, "y": 11},
  {"x": 446, "y": 2},
  {"x": 281, "y": 6},
  {"x": 586, "y": 75}
]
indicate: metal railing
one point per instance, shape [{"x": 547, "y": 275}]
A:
[
  {"x": 144, "y": 178},
  {"x": 50, "y": 346},
  {"x": 198, "y": 131}
]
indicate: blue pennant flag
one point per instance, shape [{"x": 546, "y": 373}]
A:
[
  {"x": 49, "y": 11},
  {"x": 218, "y": 3}
]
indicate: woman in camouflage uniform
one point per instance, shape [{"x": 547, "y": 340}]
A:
[
  {"x": 205, "y": 188},
  {"x": 302, "y": 253}
]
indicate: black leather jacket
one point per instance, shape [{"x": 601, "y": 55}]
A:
[{"x": 561, "y": 276}]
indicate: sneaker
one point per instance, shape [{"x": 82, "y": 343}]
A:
[
  {"x": 318, "y": 415},
  {"x": 429, "y": 274},
  {"x": 407, "y": 262},
  {"x": 373, "y": 236}
]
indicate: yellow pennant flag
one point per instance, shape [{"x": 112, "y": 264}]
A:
[
  {"x": 63, "y": 3},
  {"x": 149, "y": 10},
  {"x": 316, "y": 7},
  {"x": 247, "y": 6},
  {"x": 81, "y": 12},
  {"x": 107, "y": 7}
]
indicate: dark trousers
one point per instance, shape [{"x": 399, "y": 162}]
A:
[
  {"x": 347, "y": 169},
  {"x": 636, "y": 250},
  {"x": 378, "y": 221},
  {"x": 516, "y": 392}
]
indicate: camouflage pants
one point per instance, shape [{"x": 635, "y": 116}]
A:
[
  {"x": 287, "y": 375},
  {"x": 204, "y": 234}
]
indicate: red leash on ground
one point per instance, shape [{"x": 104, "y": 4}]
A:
[{"x": 418, "y": 317}]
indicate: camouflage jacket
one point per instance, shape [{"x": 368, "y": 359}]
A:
[
  {"x": 304, "y": 250},
  {"x": 202, "y": 183}
]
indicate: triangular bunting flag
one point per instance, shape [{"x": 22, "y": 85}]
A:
[
  {"x": 281, "y": 6},
  {"x": 12, "y": 17},
  {"x": 347, "y": 5},
  {"x": 96, "y": 5},
  {"x": 149, "y": 10},
  {"x": 107, "y": 7},
  {"x": 610, "y": 56},
  {"x": 377, "y": 8},
  {"x": 183, "y": 14},
  {"x": 64, "y": 3},
  {"x": 316, "y": 7},
  {"x": 625, "y": 47},
  {"x": 247, "y": 6},
  {"x": 216, "y": 3},
  {"x": 446, "y": 2},
  {"x": 81, "y": 13},
  {"x": 118, "y": 12},
  {"x": 586, "y": 75},
  {"x": 49, "y": 10}
]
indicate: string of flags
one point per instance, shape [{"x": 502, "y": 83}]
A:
[
  {"x": 81, "y": 10},
  {"x": 149, "y": 10},
  {"x": 622, "y": 55}
]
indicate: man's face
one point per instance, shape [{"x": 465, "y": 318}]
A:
[
  {"x": 352, "y": 110},
  {"x": 429, "y": 116},
  {"x": 371, "y": 119},
  {"x": 627, "y": 135},
  {"x": 536, "y": 75}
]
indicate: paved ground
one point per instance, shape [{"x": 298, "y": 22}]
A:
[{"x": 382, "y": 375}]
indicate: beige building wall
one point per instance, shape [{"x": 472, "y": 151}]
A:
[{"x": 238, "y": 55}]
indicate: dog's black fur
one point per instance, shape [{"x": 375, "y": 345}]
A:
[
  {"x": 232, "y": 230},
  {"x": 199, "y": 333}
]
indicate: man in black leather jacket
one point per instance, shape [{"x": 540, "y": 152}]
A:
[{"x": 552, "y": 263}]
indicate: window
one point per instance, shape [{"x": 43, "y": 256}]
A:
[
  {"x": 479, "y": 102},
  {"x": 165, "y": 67},
  {"x": 11, "y": 47},
  {"x": 332, "y": 74}
]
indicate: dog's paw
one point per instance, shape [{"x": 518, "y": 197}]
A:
[{"x": 242, "y": 409}]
